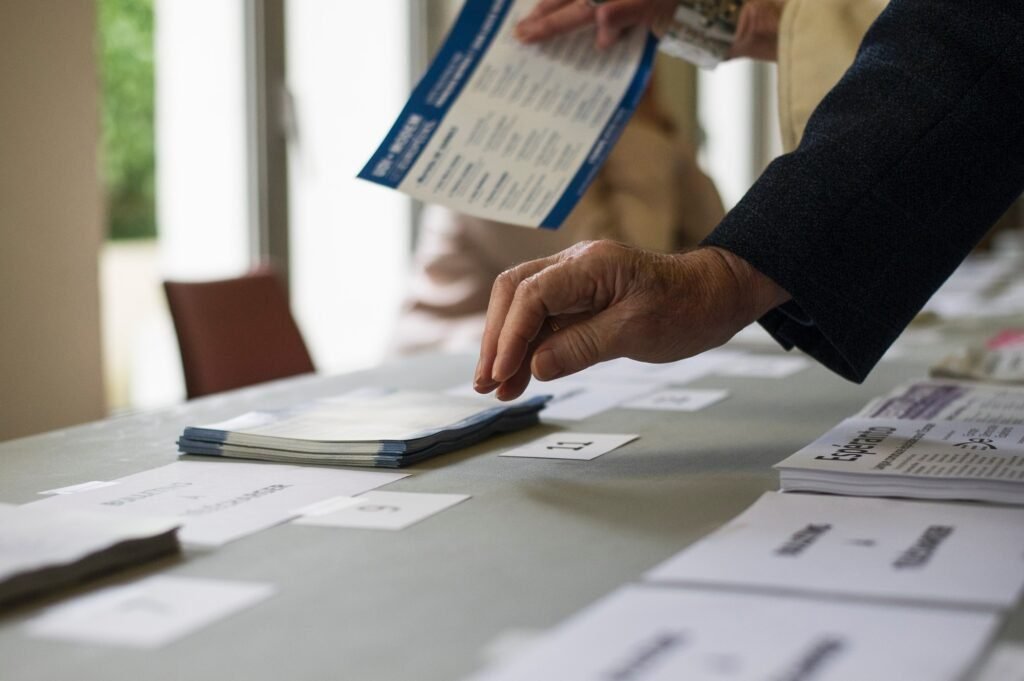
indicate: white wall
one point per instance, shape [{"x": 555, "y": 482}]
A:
[{"x": 50, "y": 216}]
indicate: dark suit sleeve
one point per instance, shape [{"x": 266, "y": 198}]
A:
[{"x": 902, "y": 168}]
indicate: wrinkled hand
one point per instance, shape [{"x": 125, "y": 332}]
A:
[
  {"x": 555, "y": 17},
  {"x": 757, "y": 31},
  {"x": 600, "y": 300}
]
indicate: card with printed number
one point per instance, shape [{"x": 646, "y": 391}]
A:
[
  {"x": 570, "y": 445},
  {"x": 385, "y": 510}
]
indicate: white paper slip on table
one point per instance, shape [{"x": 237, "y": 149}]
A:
[
  {"x": 146, "y": 614},
  {"x": 962, "y": 554},
  {"x": 656, "y": 634},
  {"x": 219, "y": 501},
  {"x": 677, "y": 399},
  {"x": 385, "y": 510},
  {"x": 763, "y": 366},
  {"x": 575, "y": 398}
]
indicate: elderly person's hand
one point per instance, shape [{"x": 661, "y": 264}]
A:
[
  {"x": 555, "y": 17},
  {"x": 756, "y": 31},
  {"x": 601, "y": 300}
]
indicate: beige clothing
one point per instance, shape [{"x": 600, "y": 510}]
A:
[
  {"x": 818, "y": 40},
  {"x": 649, "y": 193}
]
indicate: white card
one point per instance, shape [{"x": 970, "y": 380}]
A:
[
  {"x": 81, "y": 487},
  {"x": 1005, "y": 663},
  {"x": 682, "y": 371},
  {"x": 575, "y": 398},
  {"x": 385, "y": 510},
  {"x": 570, "y": 445},
  {"x": 677, "y": 399},
  {"x": 854, "y": 546},
  {"x": 219, "y": 501},
  {"x": 657, "y": 634},
  {"x": 148, "y": 613},
  {"x": 763, "y": 366}
]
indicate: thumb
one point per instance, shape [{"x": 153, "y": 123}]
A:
[{"x": 576, "y": 347}]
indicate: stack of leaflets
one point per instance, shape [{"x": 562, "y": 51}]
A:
[
  {"x": 933, "y": 439},
  {"x": 927, "y": 459},
  {"x": 378, "y": 427},
  {"x": 46, "y": 549},
  {"x": 948, "y": 400}
]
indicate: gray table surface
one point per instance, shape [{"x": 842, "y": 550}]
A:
[{"x": 539, "y": 539}]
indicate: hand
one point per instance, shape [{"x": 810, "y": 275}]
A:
[
  {"x": 607, "y": 300},
  {"x": 757, "y": 31},
  {"x": 554, "y": 17}
]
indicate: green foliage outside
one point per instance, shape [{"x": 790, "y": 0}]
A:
[{"x": 129, "y": 160}]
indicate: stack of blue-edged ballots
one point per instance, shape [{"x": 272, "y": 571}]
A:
[{"x": 372, "y": 427}]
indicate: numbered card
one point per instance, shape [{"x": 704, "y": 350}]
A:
[
  {"x": 763, "y": 366},
  {"x": 570, "y": 445},
  {"x": 385, "y": 510},
  {"x": 146, "y": 614},
  {"x": 678, "y": 399}
]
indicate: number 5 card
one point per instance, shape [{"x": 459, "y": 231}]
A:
[{"x": 384, "y": 510}]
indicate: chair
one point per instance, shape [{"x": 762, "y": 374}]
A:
[{"x": 235, "y": 332}]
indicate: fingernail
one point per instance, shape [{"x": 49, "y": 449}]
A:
[
  {"x": 484, "y": 386},
  {"x": 546, "y": 365}
]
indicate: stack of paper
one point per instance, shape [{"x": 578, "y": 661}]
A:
[
  {"x": 386, "y": 428},
  {"x": 929, "y": 459},
  {"x": 46, "y": 549},
  {"x": 950, "y": 401}
]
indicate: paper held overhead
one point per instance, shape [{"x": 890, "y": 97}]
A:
[{"x": 512, "y": 132}]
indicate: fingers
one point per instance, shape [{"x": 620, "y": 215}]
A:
[
  {"x": 554, "y": 17},
  {"x": 614, "y": 18},
  {"x": 576, "y": 347},
  {"x": 757, "y": 32},
  {"x": 557, "y": 289},
  {"x": 502, "y": 294}
]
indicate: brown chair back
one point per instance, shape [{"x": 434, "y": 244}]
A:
[{"x": 235, "y": 332}]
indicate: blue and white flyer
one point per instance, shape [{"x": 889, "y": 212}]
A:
[{"x": 512, "y": 132}]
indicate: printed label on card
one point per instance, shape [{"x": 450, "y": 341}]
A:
[
  {"x": 385, "y": 510},
  {"x": 678, "y": 399},
  {"x": 570, "y": 445}
]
